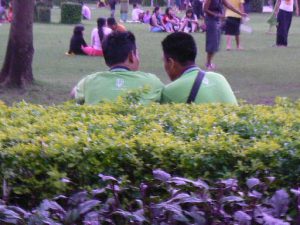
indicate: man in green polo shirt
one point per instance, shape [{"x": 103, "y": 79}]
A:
[
  {"x": 180, "y": 52},
  {"x": 121, "y": 56}
]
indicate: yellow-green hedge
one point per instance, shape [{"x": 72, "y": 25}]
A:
[{"x": 40, "y": 145}]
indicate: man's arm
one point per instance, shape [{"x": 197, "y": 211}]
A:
[
  {"x": 77, "y": 92},
  {"x": 276, "y": 7}
]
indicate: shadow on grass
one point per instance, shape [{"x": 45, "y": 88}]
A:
[{"x": 38, "y": 93}]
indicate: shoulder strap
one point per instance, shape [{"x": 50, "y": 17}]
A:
[{"x": 196, "y": 86}]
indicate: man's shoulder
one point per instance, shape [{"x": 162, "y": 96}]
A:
[
  {"x": 95, "y": 29},
  {"x": 214, "y": 76}
]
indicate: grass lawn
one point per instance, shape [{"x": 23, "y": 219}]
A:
[{"x": 256, "y": 74}]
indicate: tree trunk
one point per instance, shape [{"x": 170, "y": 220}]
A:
[{"x": 17, "y": 67}]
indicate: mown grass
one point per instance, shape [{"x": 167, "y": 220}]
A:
[{"x": 256, "y": 74}]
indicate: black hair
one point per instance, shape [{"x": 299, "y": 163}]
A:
[
  {"x": 181, "y": 47},
  {"x": 78, "y": 30},
  {"x": 167, "y": 12},
  {"x": 111, "y": 21},
  {"x": 156, "y": 8},
  {"x": 134, "y": 5},
  {"x": 100, "y": 24},
  {"x": 117, "y": 46},
  {"x": 189, "y": 11}
]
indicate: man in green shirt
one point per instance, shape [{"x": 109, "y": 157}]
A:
[
  {"x": 121, "y": 55},
  {"x": 180, "y": 52}
]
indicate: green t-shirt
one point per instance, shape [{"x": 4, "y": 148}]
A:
[
  {"x": 214, "y": 89},
  {"x": 109, "y": 85}
]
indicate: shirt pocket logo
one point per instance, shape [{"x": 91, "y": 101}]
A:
[{"x": 120, "y": 83}]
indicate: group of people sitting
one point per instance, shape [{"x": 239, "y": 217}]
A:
[
  {"x": 169, "y": 22},
  {"x": 189, "y": 83},
  {"x": 6, "y": 13},
  {"x": 78, "y": 45}
]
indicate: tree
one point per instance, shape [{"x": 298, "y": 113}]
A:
[{"x": 17, "y": 66}]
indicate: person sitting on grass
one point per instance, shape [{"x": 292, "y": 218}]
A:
[
  {"x": 137, "y": 14},
  {"x": 77, "y": 41},
  {"x": 3, "y": 16},
  {"x": 156, "y": 21},
  {"x": 98, "y": 35},
  {"x": 171, "y": 22},
  {"x": 189, "y": 22},
  {"x": 121, "y": 56},
  {"x": 112, "y": 24},
  {"x": 86, "y": 12},
  {"x": 190, "y": 83}
]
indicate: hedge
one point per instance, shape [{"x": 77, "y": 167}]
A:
[
  {"x": 43, "y": 146},
  {"x": 70, "y": 13}
]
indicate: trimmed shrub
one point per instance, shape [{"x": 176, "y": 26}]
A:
[
  {"x": 70, "y": 13},
  {"x": 256, "y": 5},
  {"x": 43, "y": 145},
  {"x": 59, "y": 2}
]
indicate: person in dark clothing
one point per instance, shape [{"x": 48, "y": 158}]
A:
[
  {"x": 197, "y": 6},
  {"x": 213, "y": 14},
  {"x": 112, "y": 5},
  {"x": 77, "y": 41}
]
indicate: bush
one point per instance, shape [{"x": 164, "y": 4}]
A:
[
  {"x": 70, "y": 13},
  {"x": 42, "y": 145},
  {"x": 166, "y": 200},
  {"x": 42, "y": 14},
  {"x": 59, "y": 2},
  {"x": 256, "y": 6}
]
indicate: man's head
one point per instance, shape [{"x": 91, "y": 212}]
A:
[
  {"x": 111, "y": 23},
  {"x": 119, "y": 49},
  {"x": 180, "y": 52}
]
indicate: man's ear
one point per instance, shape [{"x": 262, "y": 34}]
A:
[
  {"x": 131, "y": 56},
  {"x": 171, "y": 62}
]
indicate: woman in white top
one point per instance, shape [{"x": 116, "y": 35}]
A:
[
  {"x": 284, "y": 11},
  {"x": 98, "y": 35},
  {"x": 189, "y": 23}
]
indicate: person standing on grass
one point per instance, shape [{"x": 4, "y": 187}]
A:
[
  {"x": 214, "y": 13},
  {"x": 189, "y": 82},
  {"x": 232, "y": 24},
  {"x": 112, "y": 5},
  {"x": 124, "y": 4},
  {"x": 284, "y": 11},
  {"x": 122, "y": 58},
  {"x": 197, "y": 6}
]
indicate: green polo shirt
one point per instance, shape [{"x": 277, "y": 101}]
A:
[
  {"x": 109, "y": 85},
  {"x": 214, "y": 89}
]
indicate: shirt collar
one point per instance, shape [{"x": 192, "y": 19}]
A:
[
  {"x": 119, "y": 68},
  {"x": 190, "y": 69}
]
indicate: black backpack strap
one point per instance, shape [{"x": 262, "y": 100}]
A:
[{"x": 196, "y": 86}]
